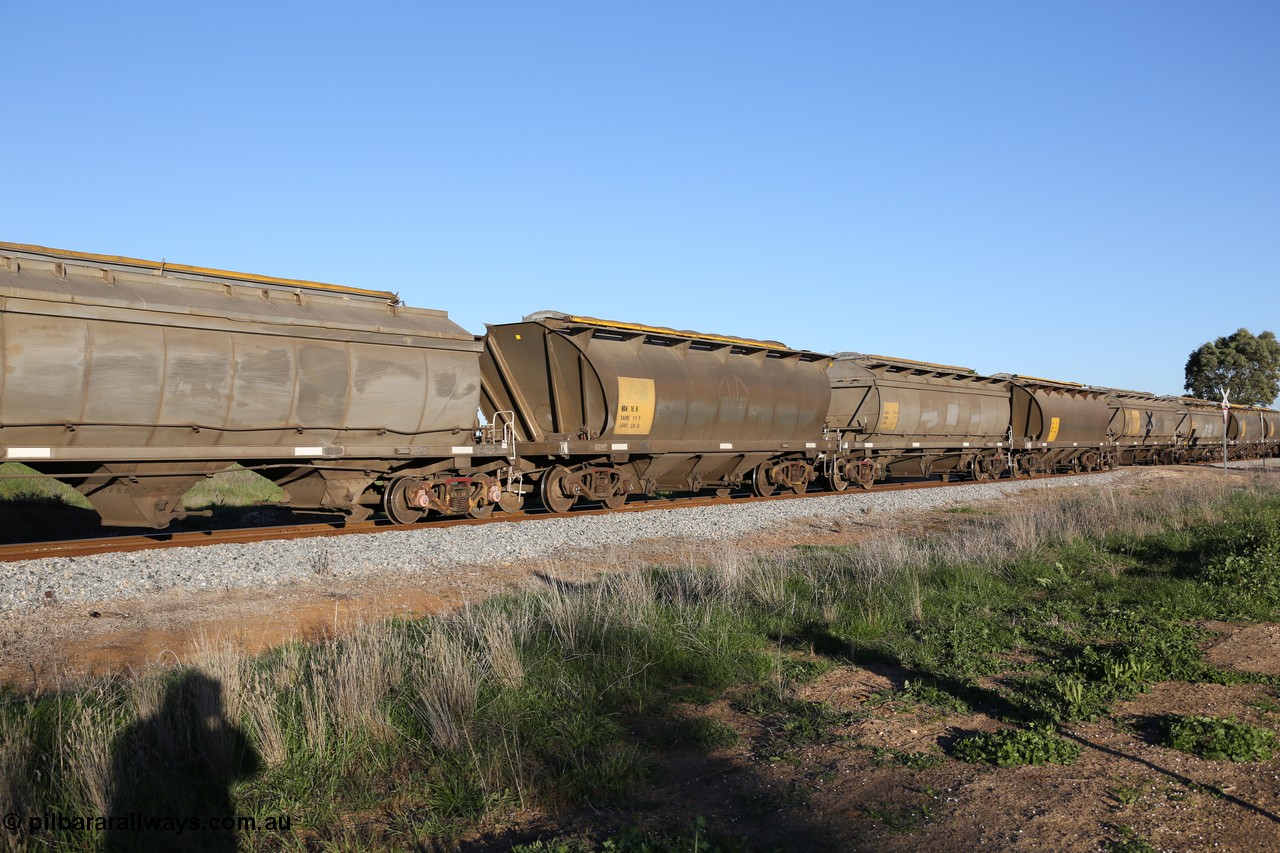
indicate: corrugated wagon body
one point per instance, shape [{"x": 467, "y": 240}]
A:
[
  {"x": 896, "y": 416},
  {"x": 1253, "y": 431},
  {"x": 641, "y": 408},
  {"x": 1203, "y": 429},
  {"x": 1059, "y": 426},
  {"x": 1147, "y": 428},
  {"x": 133, "y": 379},
  {"x": 1271, "y": 429},
  {"x": 1204, "y": 420}
]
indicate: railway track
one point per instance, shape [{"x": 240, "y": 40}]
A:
[{"x": 195, "y": 538}]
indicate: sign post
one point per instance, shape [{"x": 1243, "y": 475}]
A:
[{"x": 1225, "y": 407}]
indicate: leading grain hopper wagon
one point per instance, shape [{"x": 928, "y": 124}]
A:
[{"x": 132, "y": 380}]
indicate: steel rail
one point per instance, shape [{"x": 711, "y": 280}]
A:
[{"x": 161, "y": 540}]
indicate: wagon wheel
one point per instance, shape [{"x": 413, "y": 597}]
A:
[
  {"x": 760, "y": 483},
  {"x": 801, "y": 487},
  {"x": 555, "y": 493},
  {"x": 489, "y": 491},
  {"x": 1015, "y": 465},
  {"x": 978, "y": 471},
  {"x": 511, "y": 502},
  {"x": 396, "y": 506},
  {"x": 998, "y": 463},
  {"x": 615, "y": 501},
  {"x": 838, "y": 478}
]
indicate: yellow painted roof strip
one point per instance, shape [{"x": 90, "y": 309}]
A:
[
  {"x": 1050, "y": 381},
  {"x": 190, "y": 270},
  {"x": 659, "y": 330},
  {"x": 891, "y": 359}
]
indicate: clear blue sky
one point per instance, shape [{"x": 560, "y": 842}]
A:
[{"x": 1082, "y": 190}]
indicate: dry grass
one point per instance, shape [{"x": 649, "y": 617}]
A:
[
  {"x": 359, "y": 671},
  {"x": 91, "y": 730},
  {"x": 496, "y": 635},
  {"x": 262, "y": 720},
  {"x": 446, "y": 680},
  {"x": 1027, "y": 529},
  {"x": 15, "y": 753},
  {"x": 226, "y": 663}
]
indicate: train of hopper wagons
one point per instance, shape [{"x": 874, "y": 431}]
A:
[{"x": 133, "y": 380}]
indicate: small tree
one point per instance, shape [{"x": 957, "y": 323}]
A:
[{"x": 1249, "y": 366}]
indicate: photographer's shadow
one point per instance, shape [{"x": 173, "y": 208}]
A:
[{"x": 172, "y": 771}]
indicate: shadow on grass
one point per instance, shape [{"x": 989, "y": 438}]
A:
[
  {"x": 693, "y": 800},
  {"x": 172, "y": 772},
  {"x": 1151, "y": 726}
]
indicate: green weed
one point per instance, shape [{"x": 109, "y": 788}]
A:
[
  {"x": 900, "y": 818},
  {"x": 1016, "y": 747},
  {"x": 1127, "y": 842},
  {"x": 912, "y": 760},
  {"x": 1219, "y": 738},
  {"x": 1127, "y": 793}
]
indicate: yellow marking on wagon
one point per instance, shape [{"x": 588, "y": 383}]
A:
[
  {"x": 889, "y": 418},
  {"x": 636, "y": 400}
]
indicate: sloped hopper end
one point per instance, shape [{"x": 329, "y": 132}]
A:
[
  {"x": 1058, "y": 412},
  {"x": 543, "y": 378},
  {"x": 567, "y": 377}
]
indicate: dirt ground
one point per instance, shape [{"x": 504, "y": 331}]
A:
[
  {"x": 835, "y": 795},
  {"x": 838, "y": 796}
]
